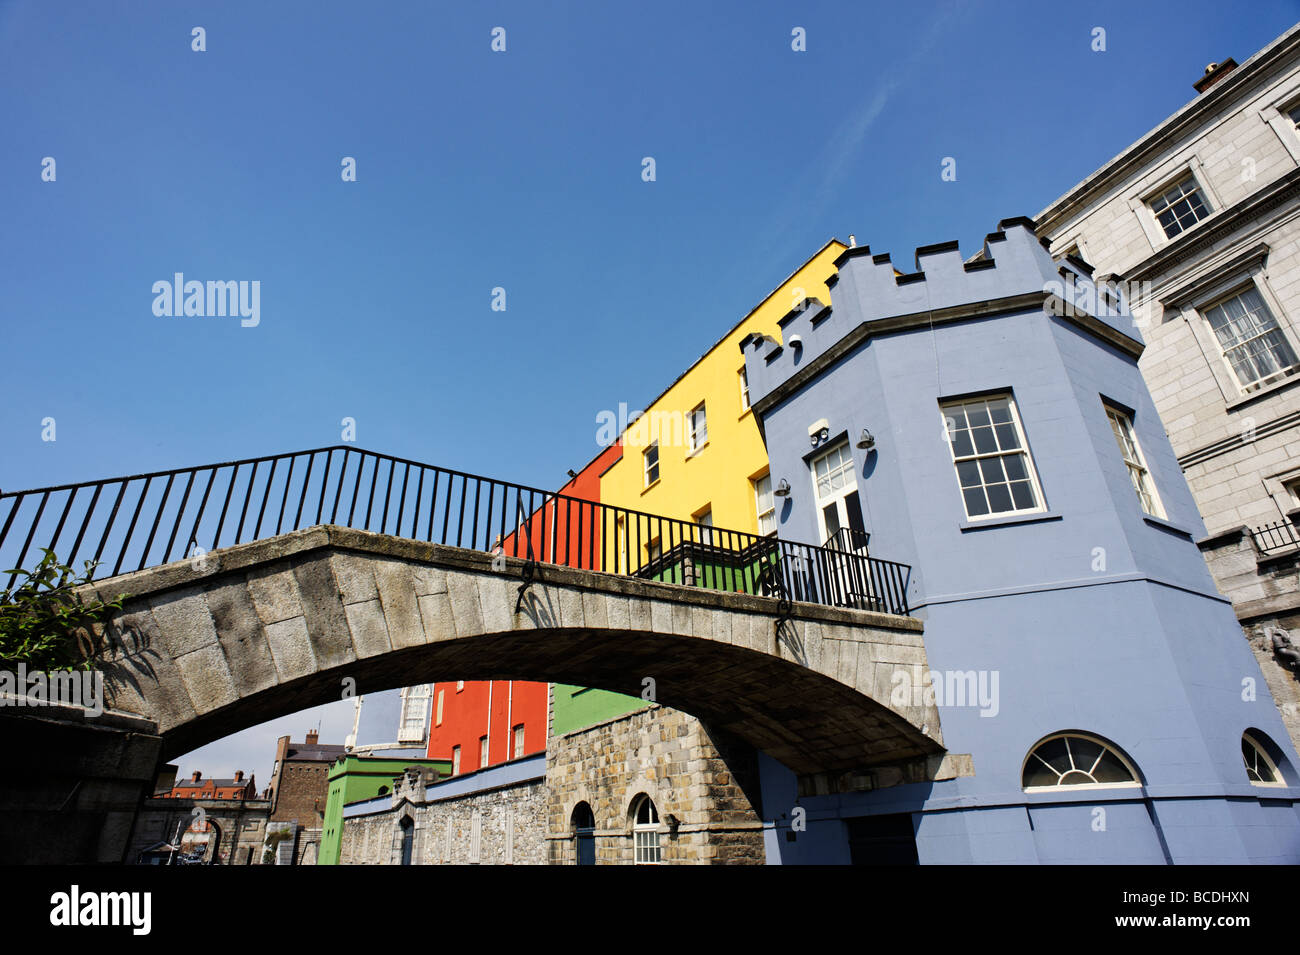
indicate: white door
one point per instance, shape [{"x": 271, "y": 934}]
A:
[
  {"x": 839, "y": 513},
  {"x": 838, "y": 506}
]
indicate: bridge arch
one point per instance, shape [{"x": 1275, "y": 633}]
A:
[{"x": 260, "y": 630}]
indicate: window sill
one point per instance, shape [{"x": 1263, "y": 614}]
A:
[
  {"x": 1034, "y": 518},
  {"x": 696, "y": 452},
  {"x": 747, "y": 411},
  {"x": 1274, "y": 388},
  {"x": 651, "y": 486},
  {"x": 1167, "y": 525}
]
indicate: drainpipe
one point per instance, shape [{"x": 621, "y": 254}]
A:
[
  {"x": 488, "y": 762},
  {"x": 510, "y": 706}
]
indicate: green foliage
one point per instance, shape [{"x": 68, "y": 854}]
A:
[
  {"x": 273, "y": 840},
  {"x": 45, "y": 623}
]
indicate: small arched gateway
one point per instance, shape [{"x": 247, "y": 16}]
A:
[{"x": 583, "y": 822}]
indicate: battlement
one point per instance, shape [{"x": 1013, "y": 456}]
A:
[{"x": 1013, "y": 272}]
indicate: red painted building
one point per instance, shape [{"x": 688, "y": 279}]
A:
[
  {"x": 463, "y": 732},
  {"x": 572, "y": 530},
  {"x": 477, "y": 724}
]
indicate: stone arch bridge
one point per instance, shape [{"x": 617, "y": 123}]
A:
[
  {"x": 342, "y": 568},
  {"x": 211, "y": 646}
]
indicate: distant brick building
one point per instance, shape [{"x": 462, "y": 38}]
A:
[
  {"x": 299, "y": 790},
  {"x": 196, "y": 787}
]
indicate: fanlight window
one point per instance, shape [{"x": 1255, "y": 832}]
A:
[
  {"x": 1259, "y": 767},
  {"x": 646, "y": 832},
  {"x": 1071, "y": 759}
]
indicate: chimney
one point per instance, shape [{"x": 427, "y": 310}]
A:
[
  {"x": 196, "y": 777},
  {"x": 1213, "y": 73},
  {"x": 312, "y": 737},
  {"x": 239, "y": 775}
]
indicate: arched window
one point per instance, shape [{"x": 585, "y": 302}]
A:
[
  {"x": 645, "y": 831},
  {"x": 1075, "y": 759},
  {"x": 408, "y": 839},
  {"x": 1260, "y": 768},
  {"x": 584, "y": 830}
]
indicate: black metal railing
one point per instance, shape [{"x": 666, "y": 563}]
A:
[
  {"x": 1276, "y": 538},
  {"x": 848, "y": 540},
  {"x": 129, "y": 523}
]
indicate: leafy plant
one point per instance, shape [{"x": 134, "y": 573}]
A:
[
  {"x": 273, "y": 840},
  {"x": 44, "y": 622}
]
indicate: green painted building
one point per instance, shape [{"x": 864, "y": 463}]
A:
[
  {"x": 694, "y": 563},
  {"x": 354, "y": 778}
]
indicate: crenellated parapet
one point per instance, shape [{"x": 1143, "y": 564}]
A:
[{"x": 1013, "y": 272}]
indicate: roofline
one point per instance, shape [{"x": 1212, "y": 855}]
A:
[
  {"x": 712, "y": 348},
  {"x": 1156, "y": 140}
]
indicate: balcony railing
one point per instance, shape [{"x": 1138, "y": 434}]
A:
[
  {"x": 1273, "y": 539},
  {"x": 129, "y": 523}
]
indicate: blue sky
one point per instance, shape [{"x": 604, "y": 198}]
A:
[{"x": 519, "y": 170}]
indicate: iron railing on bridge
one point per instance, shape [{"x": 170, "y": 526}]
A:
[{"x": 129, "y": 523}]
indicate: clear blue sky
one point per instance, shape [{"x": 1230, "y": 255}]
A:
[{"x": 519, "y": 169}]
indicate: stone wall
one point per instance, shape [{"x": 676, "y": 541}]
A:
[
  {"x": 705, "y": 789},
  {"x": 242, "y": 825},
  {"x": 510, "y": 823},
  {"x": 76, "y": 783},
  {"x": 1265, "y": 594}
]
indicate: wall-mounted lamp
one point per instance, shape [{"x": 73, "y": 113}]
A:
[
  {"x": 794, "y": 341},
  {"x": 782, "y": 489},
  {"x": 867, "y": 441}
]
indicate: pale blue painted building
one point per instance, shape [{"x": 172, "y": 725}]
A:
[{"x": 1020, "y": 468}]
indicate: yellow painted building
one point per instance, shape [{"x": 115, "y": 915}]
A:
[
  {"x": 714, "y": 474},
  {"x": 709, "y": 453}
]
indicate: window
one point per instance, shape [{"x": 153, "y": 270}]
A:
[
  {"x": 519, "y": 741},
  {"x": 439, "y": 718},
  {"x": 651, "y": 456},
  {"x": 705, "y": 520},
  {"x": 645, "y": 832},
  {"x": 994, "y": 469},
  {"x": 1122, "y": 427},
  {"x": 1179, "y": 207},
  {"x": 1072, "y": 759},
  {"x": 475, "y": 836},
  {"x": 765, "y": 505},
  {"x": 1294, "y": 113},
  {"x": 1292, "y": 488},
  {"x": 744, "y": 389},
  {"x": 455, "y": 760},
  {"x": 1253, "y": 345},
  {"x": 415, "y": 714},
  {"x": 482, "y": 751},
  {"x": 1259, "y": 767},
  {"x": 407, "y": 827},
  {"x": 699, "y": 428}
]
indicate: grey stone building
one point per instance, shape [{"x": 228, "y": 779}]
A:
[
  {"x": 496, "y": 816},
  {"x": 228, "y": 831},
  {"x": 652, "y": 786},
  {"x": 1199, "y": 223}
]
